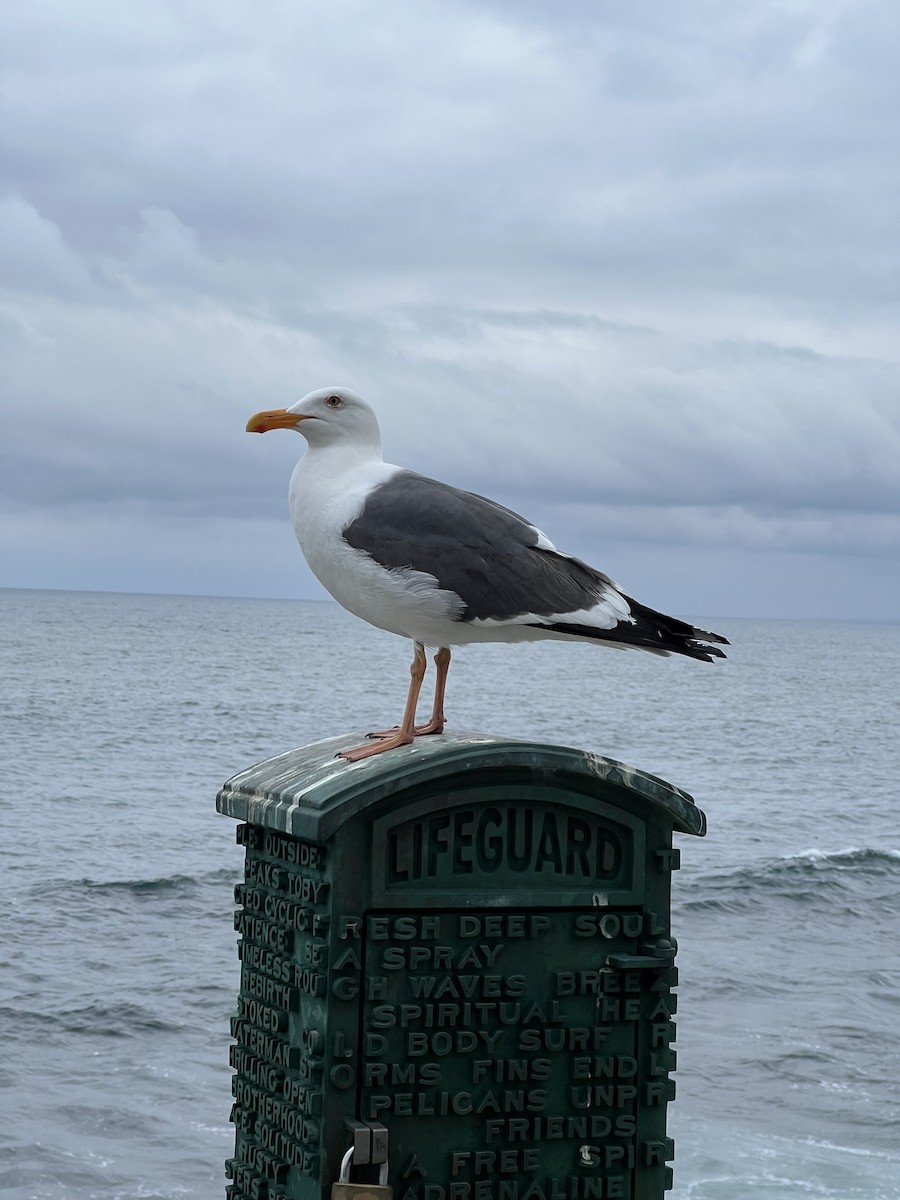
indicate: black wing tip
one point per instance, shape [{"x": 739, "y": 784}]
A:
[
  {"x": 700, "y": 648},
  {"x": 654, "y": 639},
  {"x": 705, "y": 636},
  {"x": 702, "y": 651}
]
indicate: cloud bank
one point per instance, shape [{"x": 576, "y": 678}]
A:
[{"x": 630, "y": 269}]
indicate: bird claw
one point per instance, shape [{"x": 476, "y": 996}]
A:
[
  {"x": 430, "y": 727},
  {"x": 388, "y": 743},
  {"x": 419, "y": 730}
]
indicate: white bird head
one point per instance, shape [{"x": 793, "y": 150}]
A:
[{"x": 326, "y": 417}]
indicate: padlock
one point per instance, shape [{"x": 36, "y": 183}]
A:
[{"x": 345, "y": 1190}]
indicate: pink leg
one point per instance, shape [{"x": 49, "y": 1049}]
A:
[
  {"x": 406, "y": 731},
  {"x": 436, "y": 721}
]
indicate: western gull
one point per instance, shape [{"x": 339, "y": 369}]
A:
[{"x": 442, "y": 566}]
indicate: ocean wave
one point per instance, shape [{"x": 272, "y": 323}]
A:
[
  {"x": 852, "y": 1151},
  {"x": 115, "y": 1020},
  {"x": 810, "y": 877},
  {"x": 847, "y": 859},
  {"x": 164, "y": 885}
]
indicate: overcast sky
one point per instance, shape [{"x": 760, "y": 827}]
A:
[{"x": 630, "y": 267}]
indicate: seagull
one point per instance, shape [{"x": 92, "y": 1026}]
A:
[{"x": 442, "y": 566}]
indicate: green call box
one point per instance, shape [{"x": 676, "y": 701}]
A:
[{"x": 456, "y": 970}]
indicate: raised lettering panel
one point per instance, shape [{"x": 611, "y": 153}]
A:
[
  {"x": 517, "y": 843},
  {"x": 488, "y": 1024},
  {"x": 277, "y": 1088}
]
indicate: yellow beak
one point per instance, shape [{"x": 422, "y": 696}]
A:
[{"x": 273, "y": 418}]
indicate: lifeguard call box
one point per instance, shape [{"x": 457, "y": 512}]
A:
[{"x": 455, "y": 957}]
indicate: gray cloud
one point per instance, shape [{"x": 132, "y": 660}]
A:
[{"x": 632, "y": 270}]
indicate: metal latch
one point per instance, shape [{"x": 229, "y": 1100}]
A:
[
  {"x": 369, "y": 1149},
  {"x": 656, "y": 957}
]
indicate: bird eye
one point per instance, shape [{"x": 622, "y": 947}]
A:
[{"x": 334, "y": 401}]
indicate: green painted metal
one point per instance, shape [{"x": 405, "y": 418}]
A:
[{"x": 468, "y": 940}]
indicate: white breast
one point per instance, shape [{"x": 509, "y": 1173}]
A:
[{"x": 327, "y": 494}]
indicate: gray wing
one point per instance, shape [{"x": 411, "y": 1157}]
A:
[
  {"x": 485, "y": 553},
  {"x": 494, "y": 561}
]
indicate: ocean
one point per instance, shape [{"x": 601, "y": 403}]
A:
[{"x": 122, "y": 715}]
